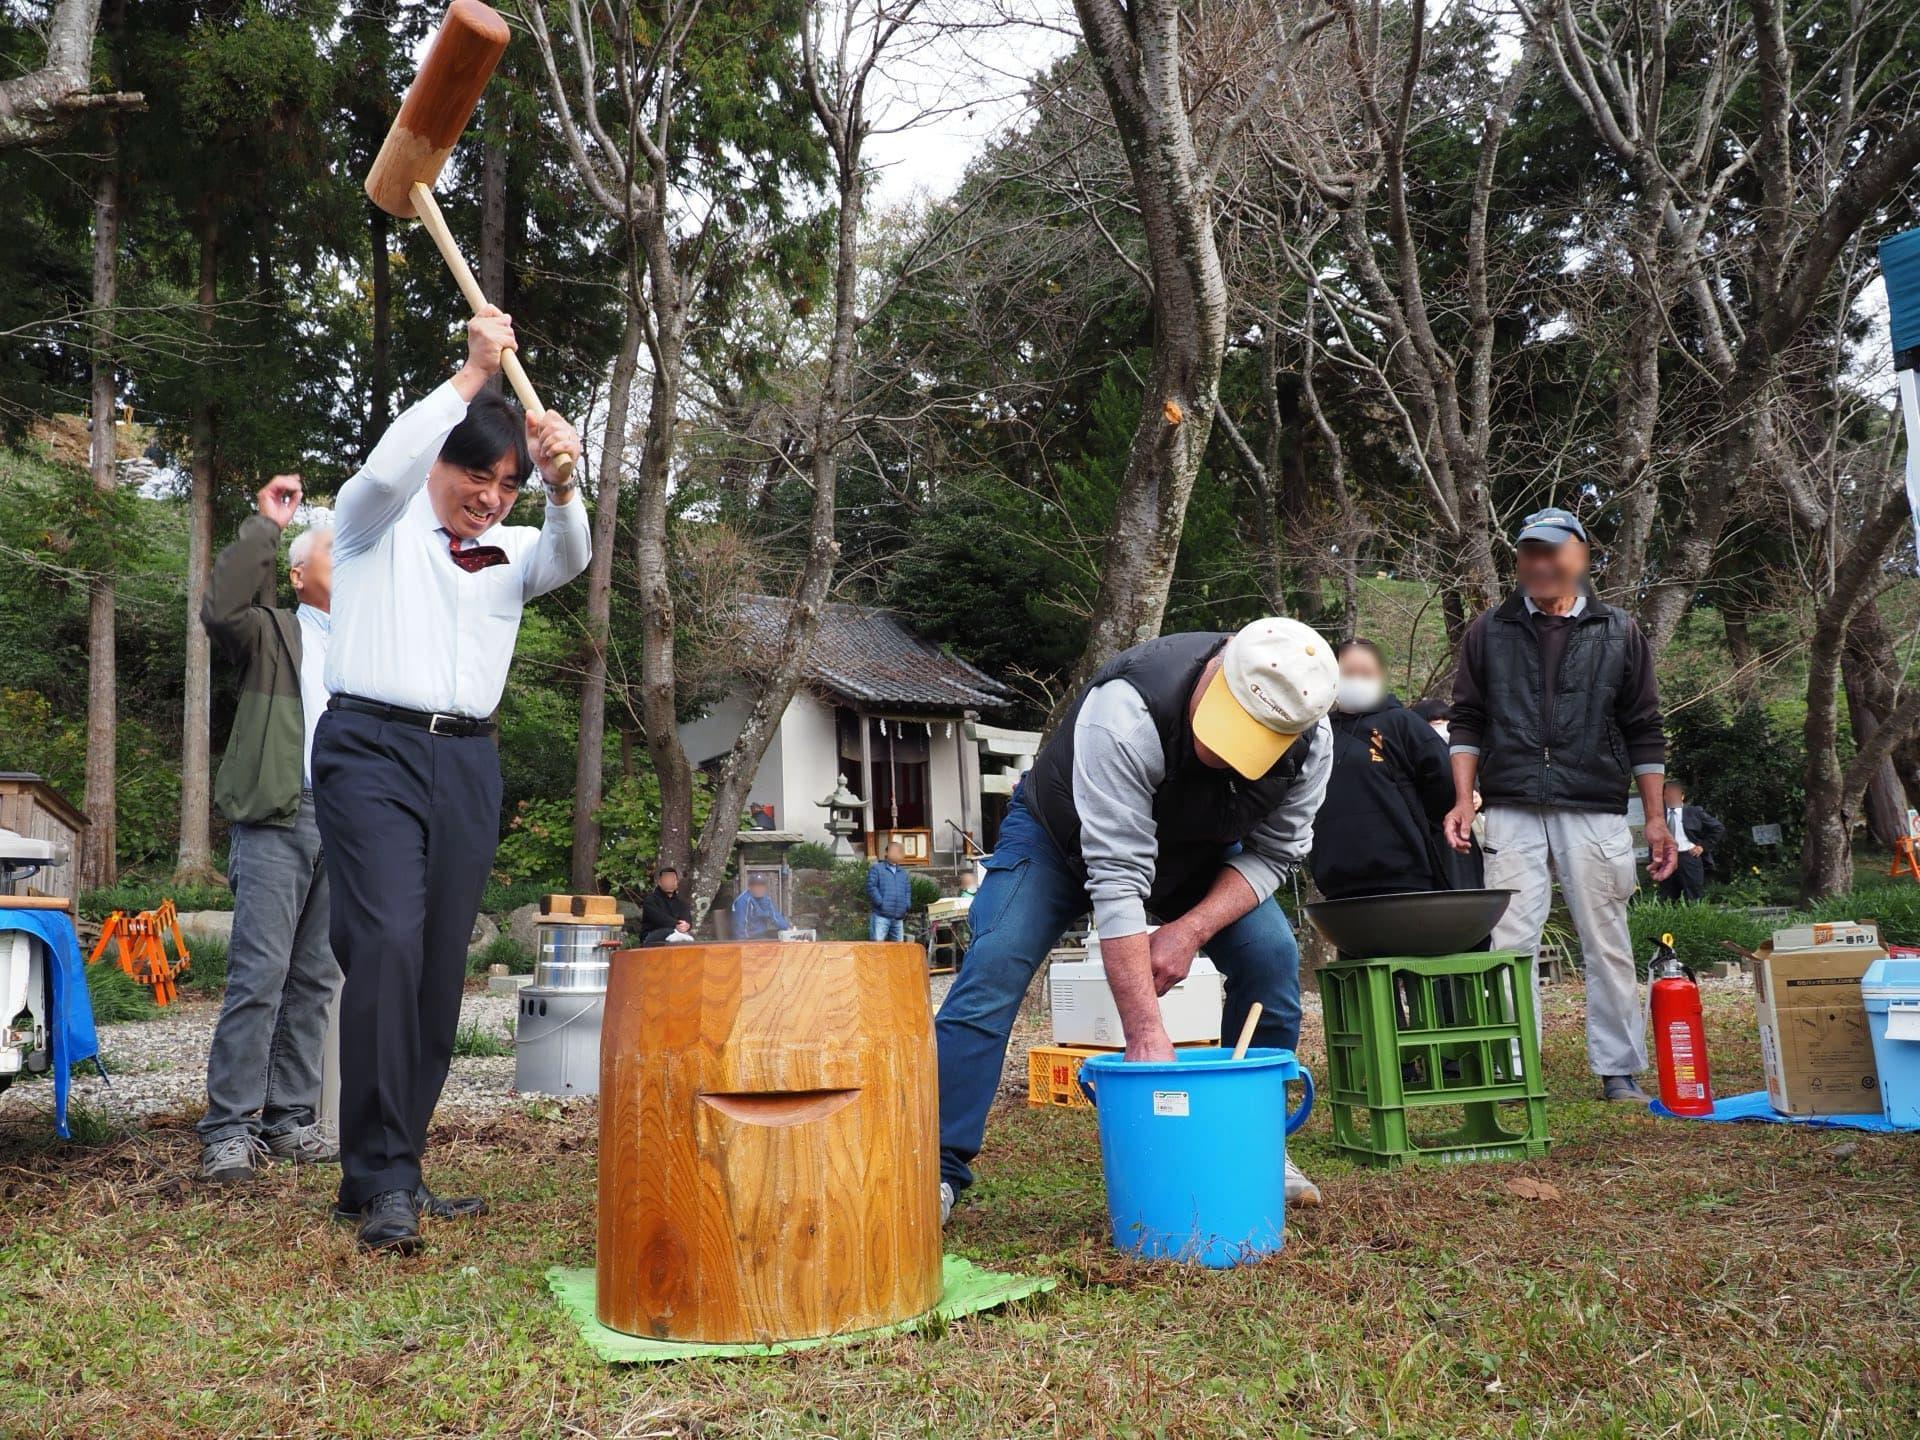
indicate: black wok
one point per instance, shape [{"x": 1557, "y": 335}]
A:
[{"x": 1420, "y": 922}]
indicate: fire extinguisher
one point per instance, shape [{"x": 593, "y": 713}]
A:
[{"x": 1679, "y": 1034}]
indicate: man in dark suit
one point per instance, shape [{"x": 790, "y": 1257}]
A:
[{"x": 1695, "y": 833}]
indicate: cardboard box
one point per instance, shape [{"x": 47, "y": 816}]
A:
[
  {"x": 1084, "y": 1012},
  {"x": 1814, "y": 1042},
  {"x": 1827, "y": 935}
]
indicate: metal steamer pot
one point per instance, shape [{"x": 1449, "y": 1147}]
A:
[{"x": 574, "y": 956}]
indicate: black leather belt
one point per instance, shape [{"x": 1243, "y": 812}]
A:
[{"x": 434, "y": 722}]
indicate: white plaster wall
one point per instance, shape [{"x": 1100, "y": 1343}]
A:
[
  {"x": 802, "y": 766},
  {"x": 808, "y": 746},
  {"x": 708, "y": 737},
  {"x": 713, "y": 734},
  {"x": 943, "y": 786}
]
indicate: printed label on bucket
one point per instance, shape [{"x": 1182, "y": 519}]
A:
[{"x": 1170, "y": 1102}]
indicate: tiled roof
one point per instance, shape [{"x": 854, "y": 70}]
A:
[{"x": 872, "y": 657}]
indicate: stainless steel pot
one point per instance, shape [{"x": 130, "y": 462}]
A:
[{"x": 575, "y": 956}]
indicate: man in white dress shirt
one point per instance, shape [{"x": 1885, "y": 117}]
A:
[{"x": 428, "y": 591}]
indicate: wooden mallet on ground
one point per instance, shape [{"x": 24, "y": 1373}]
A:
[{"x": 459, "y": 63}]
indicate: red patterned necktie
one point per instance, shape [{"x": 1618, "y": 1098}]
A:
[{"x": 477, "y": 557}]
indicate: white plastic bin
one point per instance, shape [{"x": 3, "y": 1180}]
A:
[{"x": 1890, "y": 990}]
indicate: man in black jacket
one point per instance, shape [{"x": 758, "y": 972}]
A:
[
  {"x": 1695, "y": 836},
  {"x": 1391, "y": 788},
  {"x": 1555, "y": 716},
  {"x": 665, "y": 912}
]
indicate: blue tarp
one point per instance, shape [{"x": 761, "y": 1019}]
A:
[
  {"x": 70, "y": 1007},
  {"x": 1900, "y": 264},
  {"x": 1755, "y": 1106}
]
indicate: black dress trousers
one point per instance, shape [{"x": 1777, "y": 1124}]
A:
[{"x": 410, "y": 821}]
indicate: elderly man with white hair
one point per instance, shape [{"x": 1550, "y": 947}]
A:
[{"x": 263, "y": 1072}]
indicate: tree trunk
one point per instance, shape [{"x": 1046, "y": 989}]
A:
[
  {"x": 659, "y": 717},
  {"x": 826, "y": 432},
  {"x": 590, "y": 764},
  {"x": 1733, "y": 617},
  {"x": 98, "y": 858},
  {"x": 41, "y": 105},
  {"x": 1137, "y": 55},
  {"x": 1826, "y": 855},
  {"x": 1868, "y": 671},
  {"x": 195, "y": 865},
  {"x": 380, "y": 376},
  {"x": 1833, "y": 794},
  {"x": 1637, "y": 406}
]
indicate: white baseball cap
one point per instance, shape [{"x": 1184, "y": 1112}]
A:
[{"x": 1275, "y": 682}]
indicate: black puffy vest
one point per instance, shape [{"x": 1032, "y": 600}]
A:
[
  {"x": 1581, "y": 763},
  {"x": 1198, "y": 811}
]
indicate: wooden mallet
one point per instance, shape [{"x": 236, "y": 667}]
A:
[{"x": 459, "y": 63}]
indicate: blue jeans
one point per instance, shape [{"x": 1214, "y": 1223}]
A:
[
  {"x": 879, "y": 927},
  {"x": 1028, "y": 899}
]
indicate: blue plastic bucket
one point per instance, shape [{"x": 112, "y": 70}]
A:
[{"x": 1195, "y": 1151}]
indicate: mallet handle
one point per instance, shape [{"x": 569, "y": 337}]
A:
[{"x": 429, "y": 211}]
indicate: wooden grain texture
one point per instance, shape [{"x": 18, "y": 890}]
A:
[
  {"x": 769, "y": 1141},
  {"x": 470, "y": 42}
]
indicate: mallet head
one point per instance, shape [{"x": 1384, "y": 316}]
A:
[{"x": 459, "y": 63}]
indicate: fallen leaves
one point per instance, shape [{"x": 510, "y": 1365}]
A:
[{"x": 1527, "y": 1188}]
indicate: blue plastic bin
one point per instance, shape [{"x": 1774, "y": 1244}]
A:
[
  {"x": 1891, "y": 992},
  {"x": 1195, "y": 1151}
]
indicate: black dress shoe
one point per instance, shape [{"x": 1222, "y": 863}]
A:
[
  {"x": 462, "y": 1207},
  {"x": 390, "y": 1223}
]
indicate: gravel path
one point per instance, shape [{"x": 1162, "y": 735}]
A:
[{"x": 159, "y": 1067}]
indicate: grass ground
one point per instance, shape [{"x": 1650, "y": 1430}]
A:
[{"x": 1688, "y": 1280}]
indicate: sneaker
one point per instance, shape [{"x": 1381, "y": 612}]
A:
[
  {"x": 1301, "y": 1190},
  {"x": 1623, "y": 1088},
  {"x": 946, "y": 1203},
  {"x": 233, "y": 1160},
  {"x": 305, "y": 1145},
  {"x": 389, "y": 1223}
]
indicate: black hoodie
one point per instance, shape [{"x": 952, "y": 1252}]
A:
[{"x": 1379, "y": 830}]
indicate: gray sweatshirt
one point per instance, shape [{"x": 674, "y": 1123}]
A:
[{"x": 1118, "y": 763}]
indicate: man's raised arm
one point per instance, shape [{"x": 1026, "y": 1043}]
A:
[{"x": 378, "y": 494}]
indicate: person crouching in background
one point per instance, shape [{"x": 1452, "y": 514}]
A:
[
  {"x": 1391, "y": 787},
  {"x": 755, "y": 914},
  {"x": 665, "y": 914}
]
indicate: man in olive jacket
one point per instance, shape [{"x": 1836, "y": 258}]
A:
[{"x": 263, "y": 1071}]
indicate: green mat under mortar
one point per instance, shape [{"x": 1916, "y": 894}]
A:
[{"x": 969, "y": 1290}]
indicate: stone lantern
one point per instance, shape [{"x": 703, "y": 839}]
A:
[{"x": 844, "y": 810}]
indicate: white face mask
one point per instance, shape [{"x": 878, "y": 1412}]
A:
[
  {"x": 1440, "y": 728},
  {"x": 1357, "y": 694}
]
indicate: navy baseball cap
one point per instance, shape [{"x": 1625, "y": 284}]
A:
[{"x": 1551, "y": 526}]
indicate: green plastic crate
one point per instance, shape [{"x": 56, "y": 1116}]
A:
[{"x": 1434, "y": 1059}]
